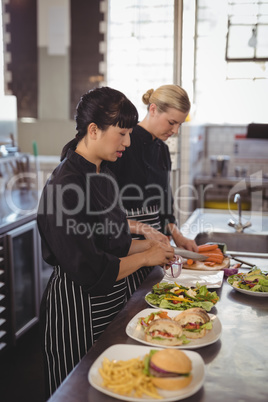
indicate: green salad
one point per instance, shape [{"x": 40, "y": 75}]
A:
[
  {"x": 178, "y": 297},
  {"x": 255, "y": 280}
]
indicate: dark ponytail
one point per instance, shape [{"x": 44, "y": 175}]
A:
[
  {"x": 105, "y": 107},
  {"x": 70, "y": 145}
]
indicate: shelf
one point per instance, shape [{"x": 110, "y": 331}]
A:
[
  {"x": 2, "y": 345},
  {"x": 2, "y": 334},
  {"x": 250, "y": 181}
]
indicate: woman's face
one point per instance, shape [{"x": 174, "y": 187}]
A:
[
  {"x": 113, "y": 142},
  {"x": 164, "y": 125}
]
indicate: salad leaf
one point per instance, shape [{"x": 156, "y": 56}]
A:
[
  {"x": 207, "y": 325},
  {"x": 178, "y": 297},
  {"x": 146, "y": 361},
  {"x": 264, "y": 284},
  {"x": 255, "y": 280},
  {"x": 206, "y": 305}
]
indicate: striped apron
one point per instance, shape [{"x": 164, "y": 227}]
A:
[
  {"x": 149, "y": 216},
  {"x": 71, "y": 321}
]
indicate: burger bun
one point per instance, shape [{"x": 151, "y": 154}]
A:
[
  {"x": 172, "y": 383},
  {"x": 174, "y": 362}
]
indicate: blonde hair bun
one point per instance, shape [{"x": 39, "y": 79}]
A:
[
  {"x": 146, "y": 97},
  {"x": 168, "y": 96}
]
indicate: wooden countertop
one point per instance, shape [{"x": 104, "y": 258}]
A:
[{"x": 236, "y": 365}]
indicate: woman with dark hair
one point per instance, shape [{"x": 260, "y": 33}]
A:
[{"x": 85, "y": 235}]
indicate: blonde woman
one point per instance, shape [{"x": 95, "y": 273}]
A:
[{"x": 143, "y": 173}]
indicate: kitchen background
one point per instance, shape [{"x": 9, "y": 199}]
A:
[
  {"x": 55, "y": 50},
  {"x": 71, "y": 46}
]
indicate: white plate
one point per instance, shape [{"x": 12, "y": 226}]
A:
[
  {"x": 212, "y": 279},
  {"x": 126, "y": 352},
  {"x": 135, "y": 331},
  {"x": 248, "y": 292}
]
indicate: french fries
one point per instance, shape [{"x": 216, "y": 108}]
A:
[{"x": 127, "y": 378}]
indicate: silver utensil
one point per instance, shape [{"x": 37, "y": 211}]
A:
[
  {"x": 189, "y": 254},
  {"x": 244, "y": 262}
]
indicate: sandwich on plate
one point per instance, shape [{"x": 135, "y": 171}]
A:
[
  {"x": 170, "y": 369},
  {"x": 195, "y": 322},
  {"x": 165, "y": 332}
]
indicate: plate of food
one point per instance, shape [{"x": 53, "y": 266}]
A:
[
  {"x": 172, "y": 296},
  {"x": 193, "y": 328},
  {"x": 141, "y": 373},
  {"x": 252, "y": 283}
]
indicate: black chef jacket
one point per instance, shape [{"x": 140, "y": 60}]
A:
[
  {"x": 82, "y": 228},
  {"x": 145, "y": 164}
]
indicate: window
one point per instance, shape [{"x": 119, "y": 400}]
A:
[
  {"x": 247, "y": 37},
  {"x": 225, "y": 84},
  {"x": 140, "y": 45},
  {"x": 226, "y": 91}
]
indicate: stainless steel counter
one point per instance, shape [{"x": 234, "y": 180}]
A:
[
  {"x": 16, "y": 208},
  {"x": 236, "y": 365}
]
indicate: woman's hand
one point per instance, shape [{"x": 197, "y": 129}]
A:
[
  {"x": 188, "y": 244},
  {"x": 159, "y": 253},
  {"x": 145, "y": 253},
  {"x": 180, "y": 240},
  {"x": 152, "y": 234},
  {"x": 147, "y": 231}
]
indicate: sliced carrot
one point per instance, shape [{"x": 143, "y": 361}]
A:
[
  {"x": 209, "y": 263},
  {"x": 163, "y": 314},
  {"x": 208, "y": 253},
  {"x": 238, "y": 265},
  {"x": 213, "y": 255},
  {"x": 190, "y": 261},
  {"x": 214, "y": 259},
  {"x": 217, "y": 252},
  {"x": 207, "y": 247}
]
